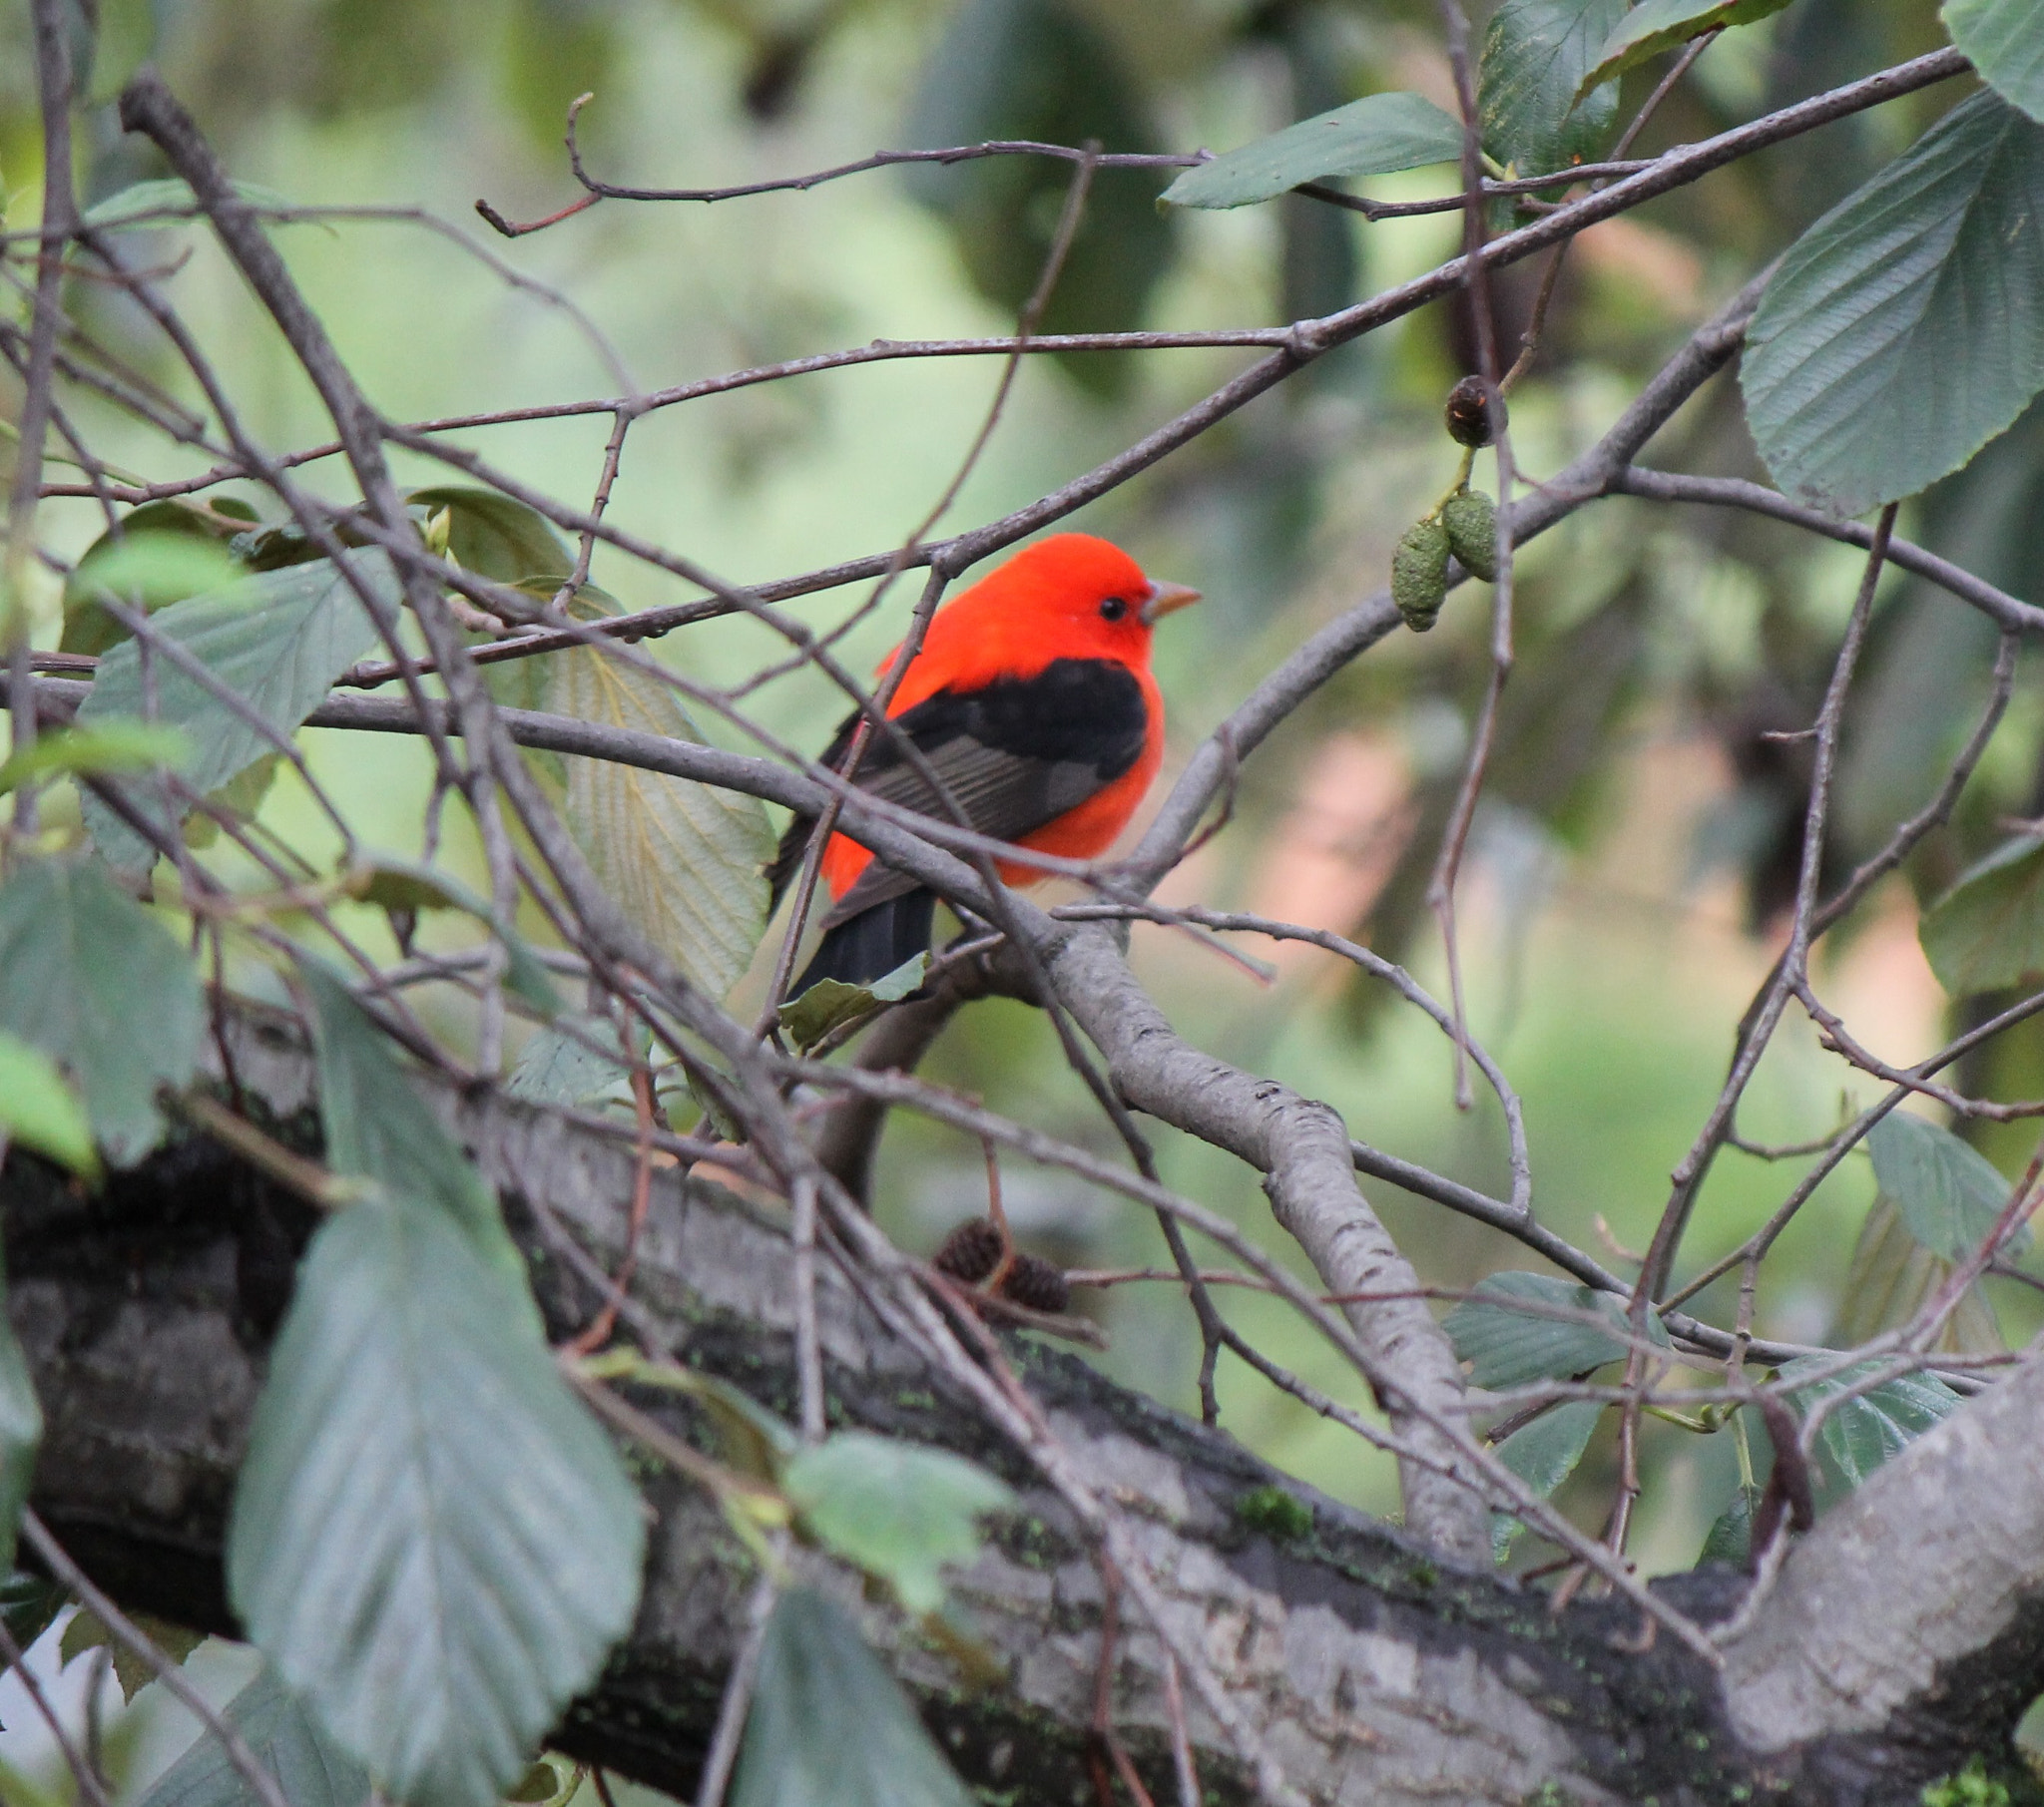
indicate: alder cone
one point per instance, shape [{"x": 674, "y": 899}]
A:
[
  {"x": 1471, "y": 520},
  {"x": 1419, "y": 574},
  {"x": 1039, "y": 1285},
  {"x": 1468, "y": 416},
  {"x": 970, "y": 1252}
]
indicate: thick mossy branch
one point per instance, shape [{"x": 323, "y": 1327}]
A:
[{"x": 1372, "y": 1670}]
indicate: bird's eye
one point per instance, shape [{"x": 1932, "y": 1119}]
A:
[{"x": 1113, "y": 608}]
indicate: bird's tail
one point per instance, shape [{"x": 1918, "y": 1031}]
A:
[{"x": 873, "y": 943}]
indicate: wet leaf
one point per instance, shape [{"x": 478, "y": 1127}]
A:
[{"x": 1371, "y": 136}]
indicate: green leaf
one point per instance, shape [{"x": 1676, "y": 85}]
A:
[
  {"x": 1658, "y": 25},
  {"x": 86, "y": 965},
  {"x": 160, "y": 203},
  {"x": 832, "y": 1001},
  {"x": 1543, "y": 1454},
  {"x": 1508, "y": 1346},
  {"x": 87, "y": 1633},
  {"x": 494, "y": 536},
  {"x": 30, "y": 1605},
  {"x": 167, "y": 551},
  {"x": 310, "y": 1769},
  {"x": 405, "y": 885},
  {"x": 38, "y": 1111},
  {"x": 1892, "y": 1276},
  {"x": 1536, "y": 55},
  {"x": 380, "y": 1127},
  {"x": 2001, "y": 40},
  {"x": 1905, "y": 329},
  {"x": 115, "y": 745},
  {"x": 1949, "y": 1195},
  {"x": 1987, "y": 931},
  {"x": 558, "y": 1066},
  {"x": 898, "y": 1511},
  {"x": 686, "y": 863},
  {"x": 21, "y": 1435},
  {"x": 1865, "y": 1431},
  {"x": 1730, "y": 1539},
  {"x": 1370, "y": 137},
  {"x": 277, "y": 639},
  {"x": 430, "y": 1538},
  {"x": 830, "y": 1726}
]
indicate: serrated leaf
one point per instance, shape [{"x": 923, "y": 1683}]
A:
[
  {"x": 1535, "y": 56},
  {"x": 39, "y": 1110},
  {"x": 277, "y": 639},
  {"x": 21, "y": 1435},
  {"x": 430, "y": 1538},
  {"x": 1861, "y": 1434},
  {"x": 379, "y": 1126},
  {"x": 2001, "y": 40},
  {"x": 167, "y": 550},
  {"x": 86, "y": 964},
  {"x": 113, "y": 746},
  {"x": 1508, "y": 1346},
  {"x": 830, "y": 1726},
  {"x": 310, "y": 1769},
  {"x": 1371, "y": 136},
  {"x": 686, "y": 863},
  {"x": 1892, "y": 1277},
  {"x": 1654, "y": 26},
  {"x": 494, "y": 536},
  {"x": 158, "y": 203},
  {"x": 831, "y": 1003},
  {"x": 1949, "y": 1195},
  {"x": 87, "y": 1633},
  {"x": 898, "y": 1511},
  {"x": 1987, "y": 931},
  {"x": 1543, "y": 1454},
  {"x": 1905, "y": 329}
]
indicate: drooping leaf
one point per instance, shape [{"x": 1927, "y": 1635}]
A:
[
  {"x": 1543, "y": 1454},
  {"x": 167, "y": 550},
  {"x": 832, "y": 1001},
  {"x": 113, "y": 746},
  {"x": 39, "y": 1110},
  {"x": 158, "y": 202},
  {"x": 30, "y": 1605},
  {"x": 1858, "y": 1436},
  {"x": 310, "y": 1769},
  {"x": 1949, "y": 1195},
  {"x": 85, "y": 965},
  {"x": 1905, "y": 329},
  {"x": 1987, "y": 931},
  {"x": 1535, "y": 56},
  {"x": 2001, "y": 41},
  {"x": 430, "y": 1538},
  {"x": 21, "y": 1435},
  {"x": 277, "y": 639},
  {"x": 1891, "y": 1278},
  {"x": 1730, "y": 1539},
  {"x": 685, "y": 862},
  {"x": 830, "y": 1726},
  {"x": 1370, "y": 137},
  {"x": 1040, "y": 69},
  {"x": 495, "y": 536},
  {"x": 898, "y": 1511},
  {"x": 380, "y": 1127},
  {"x": 1508, "y": 1345},
  {"x": 1654, "y": 26}
]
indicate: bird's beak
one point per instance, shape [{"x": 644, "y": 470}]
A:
[{"x": 1164, "y": 598}]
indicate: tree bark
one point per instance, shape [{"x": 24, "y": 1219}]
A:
[{"x": 1374, "y": 1670}]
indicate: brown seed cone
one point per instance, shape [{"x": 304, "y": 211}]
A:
[
  {"x": 970, "y": 1252},
  {"x": 1468, "y": 418},
  {"x": 1037, "y": 1284}
]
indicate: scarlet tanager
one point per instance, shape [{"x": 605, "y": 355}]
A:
[{"x": 1032, "y": 701}]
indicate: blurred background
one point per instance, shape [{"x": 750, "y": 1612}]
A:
[{"x": 1629, "y": 871}]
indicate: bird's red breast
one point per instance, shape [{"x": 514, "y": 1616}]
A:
[{"x": 1031, "y": 688}]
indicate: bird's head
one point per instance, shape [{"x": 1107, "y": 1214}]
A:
[{"x": 1083, "y": 595}]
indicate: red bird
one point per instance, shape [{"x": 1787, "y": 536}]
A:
[{"x": 1032, "y": 700}]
